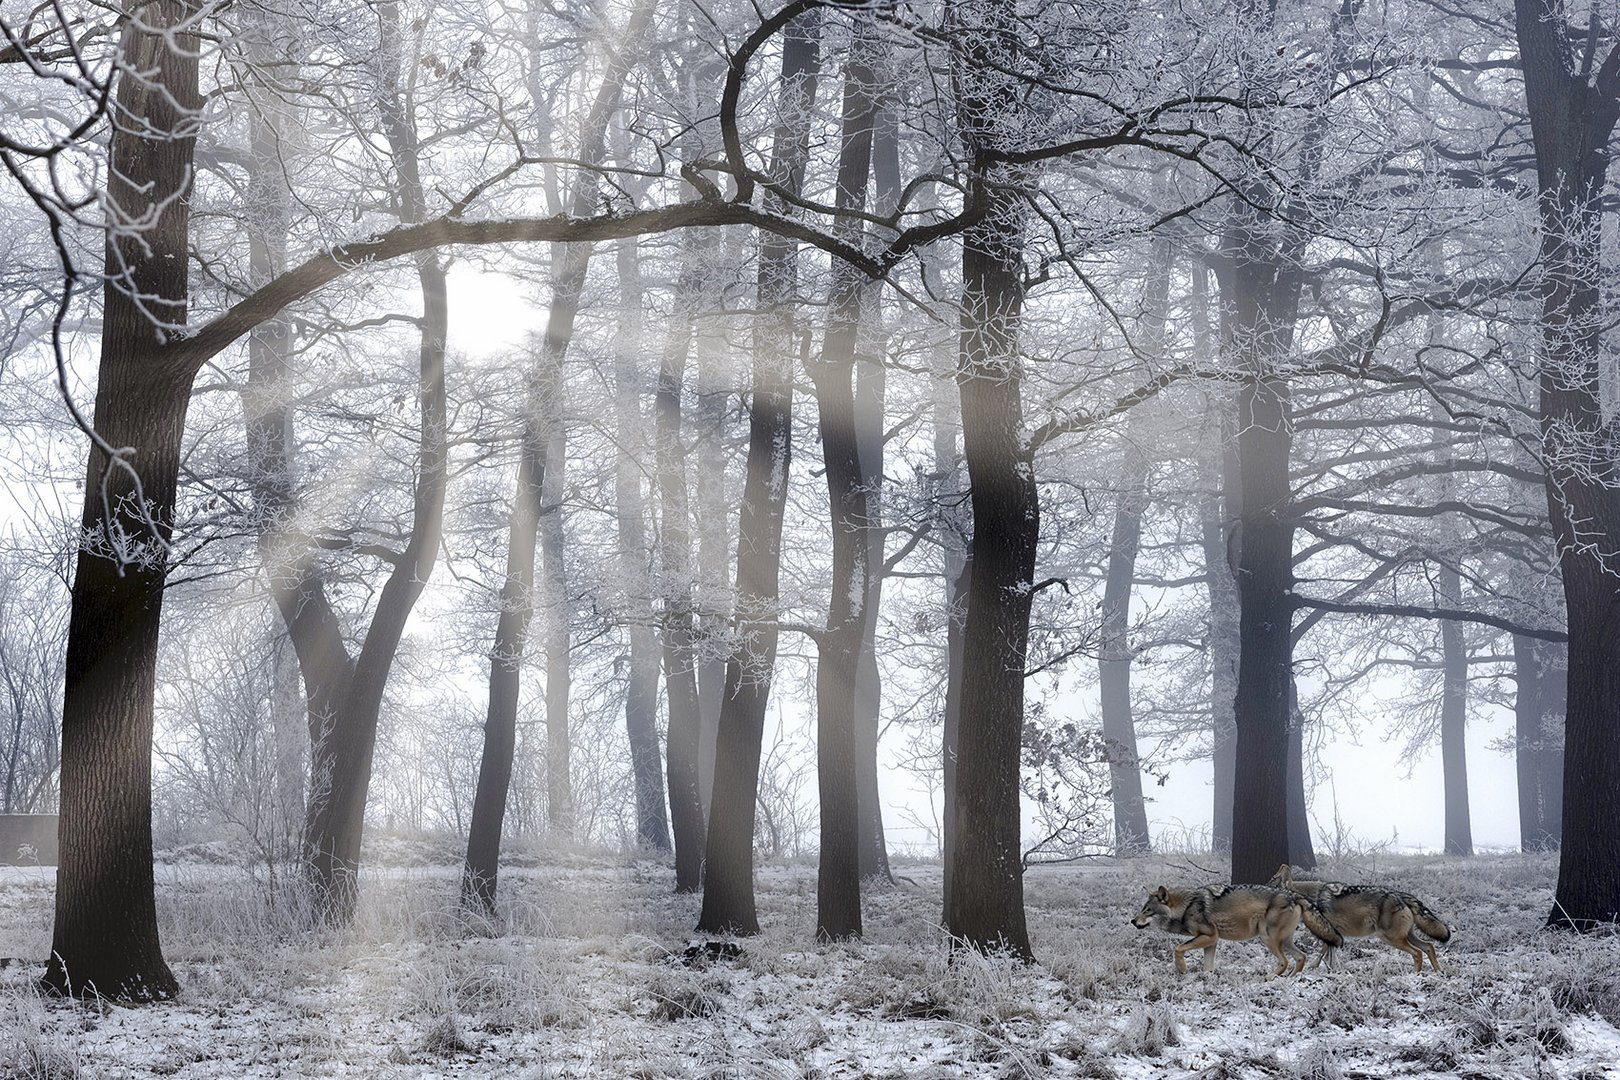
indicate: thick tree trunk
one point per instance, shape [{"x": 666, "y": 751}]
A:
[
  {"x": 641, "y": 689},
  {"x": 1264, "y": 580},
  {"x": 1572, "y": 119},
  {"x": 1538, "y": 713},
  {"x": 728, "y": 872},
  {"x": 105, "y": 939}
]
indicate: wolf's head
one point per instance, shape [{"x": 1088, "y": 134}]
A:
[{"x": 1157, "y": 908}]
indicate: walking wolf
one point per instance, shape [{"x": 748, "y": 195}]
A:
[
  {"x": 1364, "y": 910},
  {"x": 1235, "y": 913}
]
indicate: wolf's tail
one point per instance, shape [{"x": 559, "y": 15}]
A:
[
  {"x": 1317, "y": 922},
  {"x": 1427, "y": 921}
]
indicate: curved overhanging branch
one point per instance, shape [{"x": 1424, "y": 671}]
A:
[
  {"x": 1415, "y": 612},
  {"x": 187, "y": 354}
]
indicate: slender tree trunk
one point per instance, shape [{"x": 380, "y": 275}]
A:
[
  {"x": 518, "y": 597},
  {"x": 552, "y": 592},
  {"x": 1572, "y": 119},
  {"x": 1538, "y": 712},
  {"x": 641, "y": 691},
  {"x": 105, "y": 939},
  {"x": 838, "y": 884},
  {"x": 679, "y": 622},
  {"x": 1459, "y": 837},
  {"x": 728, "y": 871},
  {"x": 1114, "y": 661},
  {"x": 871, "y": 378},
  {"x": 955, "y": 578}
]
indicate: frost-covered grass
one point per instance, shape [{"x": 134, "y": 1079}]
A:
[{"x": 584, "y": 978}]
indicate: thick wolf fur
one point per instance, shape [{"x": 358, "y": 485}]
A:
[
  {"x": 1235, "y": 913},
  {"x": 1365, "y": 910}
]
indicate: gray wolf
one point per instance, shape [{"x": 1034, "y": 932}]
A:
[
  {"x": 1364, "y": 910},
  {"x": 1235, "y": 913}
]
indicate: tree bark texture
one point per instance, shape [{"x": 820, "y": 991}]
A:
[
  {"x": 1573, "y": 111},
  {"x": 1538, "y": 714},
  {"x": 728, "y": 864},
  {"x": 105, "y": 939}
]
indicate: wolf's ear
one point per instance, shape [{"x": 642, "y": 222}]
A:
[{"x": 1161, "y": 893}]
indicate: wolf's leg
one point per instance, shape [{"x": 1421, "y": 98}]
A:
[
  {"x": 1202, "y": 941},
  {"x": 1428, "y": 947},
  {"x": 1402, "y": 943}
]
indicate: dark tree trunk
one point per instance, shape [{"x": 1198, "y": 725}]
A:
[
  {"x": 482, "y": 868},
  {"x": 1454, "y": 719},
  {"x": 1538, "y": 713},
  {"x": 105, "y": 939},
  {"x": 1300, "y": 851},
  {"x": 1572, "y": 119},
  {"x": 838, "y": 884},
  {"x": 1114, "y": 662},
  {"x": 728, "y": 864},
  {"x": 1264, "y": 580},
  {"x": 641, "y": 689},
  {"x": 955, "y": 578}
]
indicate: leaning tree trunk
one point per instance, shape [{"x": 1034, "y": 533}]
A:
[
  {"x": 728, "y": 863},
  {"x": 1572, "y": 119},
  {"x": 335, "y": 819},
  {"x": 838, "y": 883},
  {"x": 569, "y": 265},
  {"x": 105, "y": 939},
  {"x": 1538, "y": 713}
]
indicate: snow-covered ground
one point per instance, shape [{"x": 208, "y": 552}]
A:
[{"x": 585, "y": 979}]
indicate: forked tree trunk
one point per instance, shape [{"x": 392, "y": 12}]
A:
[
  {"x": 728, "y": 870},
  {"x": 342, "y": 757},
  {"x": 1538, "y": 712},
  {"x": 105, "y": 939},
  {"x": 1573, "y": 107}
]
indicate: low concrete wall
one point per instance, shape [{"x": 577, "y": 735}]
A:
[{"x": 28, "y": 840}]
